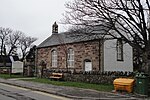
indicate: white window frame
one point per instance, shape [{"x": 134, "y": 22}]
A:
[
  {"x": 87, "y": 65},
  {"x": 70, "y": 60},
  {"x": 54, "y": 58},
  {"x": 119, "y": 48}
]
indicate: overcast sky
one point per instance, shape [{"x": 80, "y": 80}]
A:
[{"x": 33, "y": 17}]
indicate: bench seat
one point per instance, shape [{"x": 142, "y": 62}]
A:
[{"x": 56, "y": 76}]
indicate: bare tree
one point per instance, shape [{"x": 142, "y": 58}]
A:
[
  {"x": 4, "y": 32},
  {"x": 63, "y": 46},
  {"x": 127, "y": 19},
  {"x": 9, "y": 40},
  {"x": 25, "y": 43},
  {"x": 13, "y": 41}
]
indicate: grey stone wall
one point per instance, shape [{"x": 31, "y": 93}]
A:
[
  {"x": 98, "y": 79},
  {"x": 95, "y": 77},
  {"x": 83, "y": 50},
  {"x": 5, "y": 70}
]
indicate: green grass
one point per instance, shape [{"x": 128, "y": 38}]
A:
[
  {"x": 99, "y": 87},
  {"x": 8, "y": 76}
]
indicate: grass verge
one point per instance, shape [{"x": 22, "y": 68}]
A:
[
  {"x": 8, "y": 76},
  {"x": 99, "y": 87}
]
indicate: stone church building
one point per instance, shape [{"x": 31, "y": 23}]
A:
[{"x": 83, "y": 52}]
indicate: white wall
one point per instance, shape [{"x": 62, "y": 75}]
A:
[
  {"x": 17, "y": 67},
  {"x": 110, "y": 57}
]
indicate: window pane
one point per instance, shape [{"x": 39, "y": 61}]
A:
[
  {"x": 70, "y": 58},
  {"x": 119, "y": 48},
  {"x": 54, "y": 58}
]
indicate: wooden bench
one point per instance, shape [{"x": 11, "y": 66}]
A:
[{"x": 56, "y": 76}]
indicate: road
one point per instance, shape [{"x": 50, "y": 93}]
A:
[{"x": 9, "y": 92}]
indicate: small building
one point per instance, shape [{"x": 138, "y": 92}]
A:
[
  {"x": 83, "y": 52},
  {"x": 6, "y": 62}
]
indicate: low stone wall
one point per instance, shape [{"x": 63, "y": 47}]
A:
[
  {"x": 5, "y": 70},
  {"x": 98, "y": 79},
  {"x": 28, "y": 71},
  {"x": 90, "y": 77}
]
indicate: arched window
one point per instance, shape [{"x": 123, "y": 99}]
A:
[
  {"x": 70, "y": 58},
  {"x": 54, "y": 58},
  {"x": 119, "y": 48}
]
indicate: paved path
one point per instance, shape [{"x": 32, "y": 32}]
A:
[
  {"x": 71, "y": 92},
  {"x": 9, "y": 92}
]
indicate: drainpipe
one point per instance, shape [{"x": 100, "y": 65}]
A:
[
  {"x": 101, "y": 52},
  {"x": 99, "y": 55},
  {"x": 36, "y": 60}
]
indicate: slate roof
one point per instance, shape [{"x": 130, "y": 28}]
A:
[
  {"x": 8, "y": 60},
  {"x": 66, "y": 37}
]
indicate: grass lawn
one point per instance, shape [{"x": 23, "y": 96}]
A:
[
  {"x": 99, "y": 87},
  {"x": 7, "y": 76}
]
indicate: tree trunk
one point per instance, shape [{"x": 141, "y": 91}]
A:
[{"x": 146, "y": 62}]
